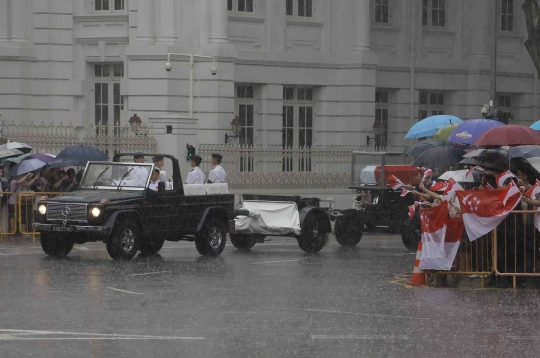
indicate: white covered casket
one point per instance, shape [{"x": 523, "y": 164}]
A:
[{"x": 268, "y": 217}]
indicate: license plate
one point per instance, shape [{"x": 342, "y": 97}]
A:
[{"x": 63, "y": 228}]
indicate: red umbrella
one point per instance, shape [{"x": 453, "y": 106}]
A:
[{"x": 510, "y": 135}]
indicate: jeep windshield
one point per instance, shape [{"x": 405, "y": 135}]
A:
[{"x": 126, "y": 176}]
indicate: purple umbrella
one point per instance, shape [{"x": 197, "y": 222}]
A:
[
  {"x": 469, "y": 130},
  {"x": 43, "y": 157}
]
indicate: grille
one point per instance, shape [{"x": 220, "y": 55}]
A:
[{"x": 63, "y": 211}]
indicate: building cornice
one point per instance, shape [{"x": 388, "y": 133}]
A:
[{"x": 101, "y": 18}]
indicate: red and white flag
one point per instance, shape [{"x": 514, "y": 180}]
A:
[
  {"x": 404, "y": 192},
  {"x": 488, "y": 186},
  {"x": 451, "y": 189},
  {"x": 412, "y": 208},
  {"x": 440, "y": 238},
  {"x": 501, "y": 178},
  {"x": 533, "y": 191},
  {"x": 484, "y": 210},
  {"x": 439, "y": 186},
  {"x": 394, "y": 182},
  {"x": 427, "y": 173}
]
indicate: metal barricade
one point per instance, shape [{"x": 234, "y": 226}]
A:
[
  {"x": 8, "y": 213},
  {"x": 27, "y": 210},
  {"x": 473, "y": 258}
]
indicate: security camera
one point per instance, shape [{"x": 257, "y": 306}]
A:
[
  {"x": 168, "y": 66},
  {"x": 213, "y": 70}
]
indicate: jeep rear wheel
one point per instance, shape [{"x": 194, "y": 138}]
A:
[
  {"x": 56, "y": 245},
  {"x": 211, "y": 240},
  {"x": 348, "y": 229},
  {"x": 410, "y": 235},
  {"x": 243, "y": 241},
  {"x": 124, "y": 241},
  {"x": 152, "y": 246},
  {"x": 312, "y": 238}
]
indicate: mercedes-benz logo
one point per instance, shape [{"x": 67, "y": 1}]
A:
[{"x": 66, "y": 211}]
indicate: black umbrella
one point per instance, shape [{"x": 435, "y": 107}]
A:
[
  {"x": 81, "y": 154},
  {"x": 496, "y": 159},
  {"x": 418, "y": 148},
  {"x": 442, "y": 157}
]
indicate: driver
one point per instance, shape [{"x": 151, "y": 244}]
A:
[{"x": 140, "y": 174}]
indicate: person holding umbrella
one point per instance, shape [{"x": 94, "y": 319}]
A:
[{"x": 19, "y": 184}]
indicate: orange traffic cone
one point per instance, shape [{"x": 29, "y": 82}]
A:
[{"x": 418, "y": 278}]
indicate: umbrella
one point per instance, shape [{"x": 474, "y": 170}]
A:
[
  {"x": 458, "y": 175},
  {"x": 534, "y": 162},
  {"x": 27, "y": 166},
  {"x": 536, "y": 126},
  {"x": 62, "y": 163},
  {"x": 9, "y": 153},
  {"x": 511, "y": 135},
  {"x": 442, "y": 157},
  {"x": 418, "y": 148},
  {"x": 428, "y": 126},
  {"x": 490, "y": 159},
  {"x": 525, "y": 151},
  {"x": 23, "y": 147},
  {"x": 47, "y": 158},
  {"x": 81, "y": 154},
  {"x": 444, "y": 132},
  {"x": 468, "y": 131}
]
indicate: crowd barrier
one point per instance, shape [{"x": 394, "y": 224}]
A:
[{"x": 510, "y": 250}]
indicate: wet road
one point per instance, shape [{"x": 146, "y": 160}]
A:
[{"x": 273, "y": 302}]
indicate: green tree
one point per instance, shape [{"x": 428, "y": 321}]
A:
[{"x": 531, "y": 8}]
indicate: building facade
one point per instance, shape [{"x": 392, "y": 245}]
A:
[{"x": 296, "y": 73}]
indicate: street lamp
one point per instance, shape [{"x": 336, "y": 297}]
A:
[
  {"x": 135, "y": 123},
  {"x": 192, "y": 58},
  {"x": 377, "y": 130},
  {"x": 236, "y": 126}
]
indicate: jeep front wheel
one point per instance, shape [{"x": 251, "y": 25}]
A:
[
  {"x": 211, "y": 240},
  {"x": 56, "y": 245},
  {"x": 124, "y": 241}
]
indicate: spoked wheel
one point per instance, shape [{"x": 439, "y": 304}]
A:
[
  {"x": 125, "y": 240},
  {"x": 56, "y": 245},
  {"x": 243, "y": 241},
  {"x": 410, "y": 235},
  {"x": 349, "y": 229},
  {"x": 211, "y": 241}
]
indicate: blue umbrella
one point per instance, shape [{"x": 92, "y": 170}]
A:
[
  {"x": 27, "y": 166},
  {"x": 536, "y": 126},
  {"x": 81, "y": 154},
  {"x": 525, "y": 151},
  {"x": 468, "y": 131},
  {"x": 428, "y": 126}
]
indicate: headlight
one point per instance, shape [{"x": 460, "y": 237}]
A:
[
  {"x": 95, "y": 212},
  {"x": 42, "y": 209}
]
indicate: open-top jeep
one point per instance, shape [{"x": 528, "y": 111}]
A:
[
  {"x": 376, "y": 203},
  {"x": 116, "y": 206}
]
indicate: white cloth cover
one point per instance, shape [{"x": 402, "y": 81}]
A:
[
  {"x": 219, "y": 188},
  {"x": 194, "y": 189},
  {"x": 269, "y": 217}
]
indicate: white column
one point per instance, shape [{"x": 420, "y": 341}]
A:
[
  {"x": 4, "y": 24},
  {"x": 219, "y": 29},
  {"x": 363, "y": 25},
  {"x": 166, "y": 21},
  {"x": 19, "y": 20},
  {"x": 146, "y": 21}
]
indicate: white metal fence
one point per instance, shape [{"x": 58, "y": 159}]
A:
[
  {"x": 274, "y": 167},
  {"x": 49, "y": 137}
]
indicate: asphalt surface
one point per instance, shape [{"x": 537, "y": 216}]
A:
[{"x": 274, "y": 301}]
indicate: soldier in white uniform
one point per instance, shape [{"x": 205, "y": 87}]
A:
[
  {"x": 196, "y": 175},
  {"x": 154, "y": 180},
  {"x": 140, "y": 174},
  {"x": 217, "y": 175},
  {"x": 159, "y": 162}
]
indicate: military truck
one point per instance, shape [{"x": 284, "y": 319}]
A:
[{"x": 116, "y": 206}]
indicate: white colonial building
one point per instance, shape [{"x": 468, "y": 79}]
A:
[{"x": 309, "y": 74}]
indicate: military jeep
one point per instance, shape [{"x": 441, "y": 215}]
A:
[{"x": 376, "y": 206}]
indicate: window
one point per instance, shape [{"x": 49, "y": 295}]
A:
[
  {"x": 380, "y": 12},
  {"x": 297, "y": 127},
  {"x": 240, "y": 6},
  {"x": 381, "y": 114},
  {"x": 109, "y": 5},
  {"x": 301, "y": 8},
  {"x": 434, "y": 13},
  {"x": 431, "y": 104},
  {"x": 504, "y": 108},
  {"x": 507, "y": 15},
  {"x": 245, "y": 99},
  {"x": 108, "y": 101}
]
